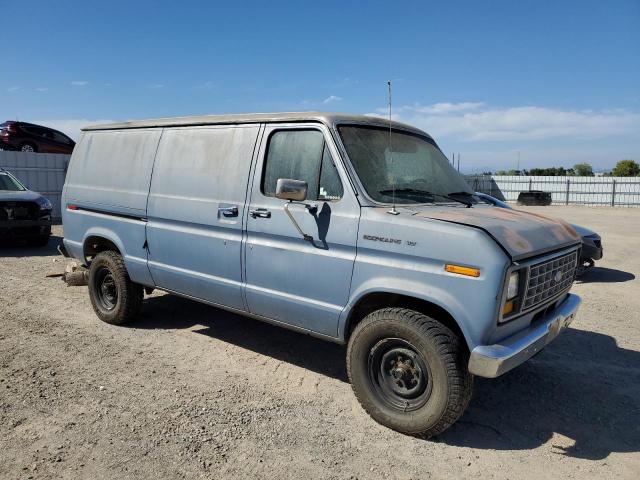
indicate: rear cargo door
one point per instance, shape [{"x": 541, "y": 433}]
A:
[{"x": 195, "y": 211}]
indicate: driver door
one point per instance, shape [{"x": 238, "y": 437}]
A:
[{"x": 304, "y": 283}]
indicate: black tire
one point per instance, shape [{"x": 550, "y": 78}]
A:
[
  {"x": 115, "y": 298},
  {"x": 40, "y": 241},
  {"x": 409, "y": 371},
  {"x": 28, "y": 147}
]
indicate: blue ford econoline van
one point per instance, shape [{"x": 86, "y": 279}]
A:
[{"x": 349, "y": 228}]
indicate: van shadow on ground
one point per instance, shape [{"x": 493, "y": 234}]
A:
[
  {"x": 20, "y": 248},
  {"x": 583, "y": 387},
  {"x": 582, "y": 393},
  {"x": 168, "y": 311},
  {"x": 605, "y": 275}
]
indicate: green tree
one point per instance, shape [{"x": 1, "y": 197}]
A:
[
  {"x": 547, "y": 172},
  {"x": 626, "y": 168},
  {"x": 583, "y": 170}
]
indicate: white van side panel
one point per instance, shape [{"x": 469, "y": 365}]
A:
[
  {"x": 196, "y": 208},
  {"x": 111, "y": 170},
  {"x": 108, "y": 182}
]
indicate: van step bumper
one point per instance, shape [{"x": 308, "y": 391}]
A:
[{"x": 491, "y": 361}]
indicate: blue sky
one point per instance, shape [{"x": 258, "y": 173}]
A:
[{"x": 558, "y": 81}]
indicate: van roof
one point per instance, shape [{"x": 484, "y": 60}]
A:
[{"x": 327, "y": 118}]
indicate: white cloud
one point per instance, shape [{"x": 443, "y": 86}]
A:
[
  {"x": 157, "y": 85},
  {"x": 446, "y": 107},
  {"x": 71, "y": 127},
  {"x": 332, "y": 99},
  {"x": 79, "y": 83},
  {"x": 13, "y": 89},
  {"x": 475, "y": 122},
  {"x": 41, "y": 89},
  {"x": 346, "y": 82}
]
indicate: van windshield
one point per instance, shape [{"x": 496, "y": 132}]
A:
[
  {"x": 7, "y": 182},
  {"x": 414, "y": 167}
]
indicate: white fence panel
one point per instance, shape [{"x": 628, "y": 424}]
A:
[
  {"x": 606, "y": 191},
  {"x": 40, "y": 172}
]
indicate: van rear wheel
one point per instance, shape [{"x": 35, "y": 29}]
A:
[
  {"x": 409, "y": 371},
  {"x": 115, "y": 298}
]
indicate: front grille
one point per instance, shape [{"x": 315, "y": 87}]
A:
[
  {"x": 549, "y": 278},
  {"x": 19, "y": 210}
]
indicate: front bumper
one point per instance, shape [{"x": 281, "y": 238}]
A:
[
  {"x": 24, "y": 228},
  {"x": 591, "y": 250},
  {"x": 491, "y": 361}
]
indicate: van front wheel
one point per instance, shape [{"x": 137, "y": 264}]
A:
[
  {"x": 115, "y": 298},
  {"x": 409, "y": 371}
]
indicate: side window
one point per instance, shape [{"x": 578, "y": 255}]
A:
[
  {"x": 301, "y": 155},
  {"x": 60, "y": 138},
  {"x": 330, "y": 187},
  {"x": 40, "y": 132}
]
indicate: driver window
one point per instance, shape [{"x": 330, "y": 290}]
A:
[{"x": 301, "y": 155}]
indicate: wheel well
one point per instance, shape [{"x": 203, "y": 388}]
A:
[
  {"x": 375, "y": 301},
  {"x": 94, "y": 245}
]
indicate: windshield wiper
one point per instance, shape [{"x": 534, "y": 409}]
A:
[
  {"x": 424, "y": 193},
  {"x": 462, "y": 193}
]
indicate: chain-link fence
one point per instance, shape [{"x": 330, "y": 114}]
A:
[{"x": 609, "y": 191}]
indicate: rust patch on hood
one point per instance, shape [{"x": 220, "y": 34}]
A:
[{"x": 520, "y": 233}]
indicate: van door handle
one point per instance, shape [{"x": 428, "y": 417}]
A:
[
  {"x": 260, "y": 213},
  {"x": 228, "y": 211}
]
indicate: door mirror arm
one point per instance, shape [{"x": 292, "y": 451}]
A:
[
  {"x": 312, "y": 207},
  {"x": 296, "y": 192}
]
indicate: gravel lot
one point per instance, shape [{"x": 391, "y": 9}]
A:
[{"x": 190, "y": 391}]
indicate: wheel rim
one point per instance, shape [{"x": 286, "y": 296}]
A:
[
  {"x": 106, "y": 289},
  {"x": 399, "y": 374},
  {"x": 27, "y": 148}
]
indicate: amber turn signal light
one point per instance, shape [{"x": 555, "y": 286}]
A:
[
  {"x": 508, "y": 308},
  {"x": 460, "y": 270}
]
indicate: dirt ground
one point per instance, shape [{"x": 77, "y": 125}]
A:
[{"x": 189, "y": 391}]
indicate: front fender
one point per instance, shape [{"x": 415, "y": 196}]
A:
[{"x": 418, "y": 290}]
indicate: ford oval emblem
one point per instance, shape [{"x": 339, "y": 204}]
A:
[{"x": 558, "y": 276}]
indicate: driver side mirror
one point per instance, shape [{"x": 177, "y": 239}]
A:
[
  {"x": 296, "y": 192},
  {"x": 292, "y": 190}
]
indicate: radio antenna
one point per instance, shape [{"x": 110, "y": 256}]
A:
[{"x": 393, "y": 210}]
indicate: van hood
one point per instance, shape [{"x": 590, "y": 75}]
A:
[{"x": 520, "y": 234}]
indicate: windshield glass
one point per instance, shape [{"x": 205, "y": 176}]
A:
[
  {"x": 7, "y": 182},
  {"x": 416, "y": 167}
]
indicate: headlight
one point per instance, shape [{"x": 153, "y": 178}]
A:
[
  {"x": 45, "y": 204},
  {"x": 512, "y": 288},
  {"x": 512, "y": 293}
]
